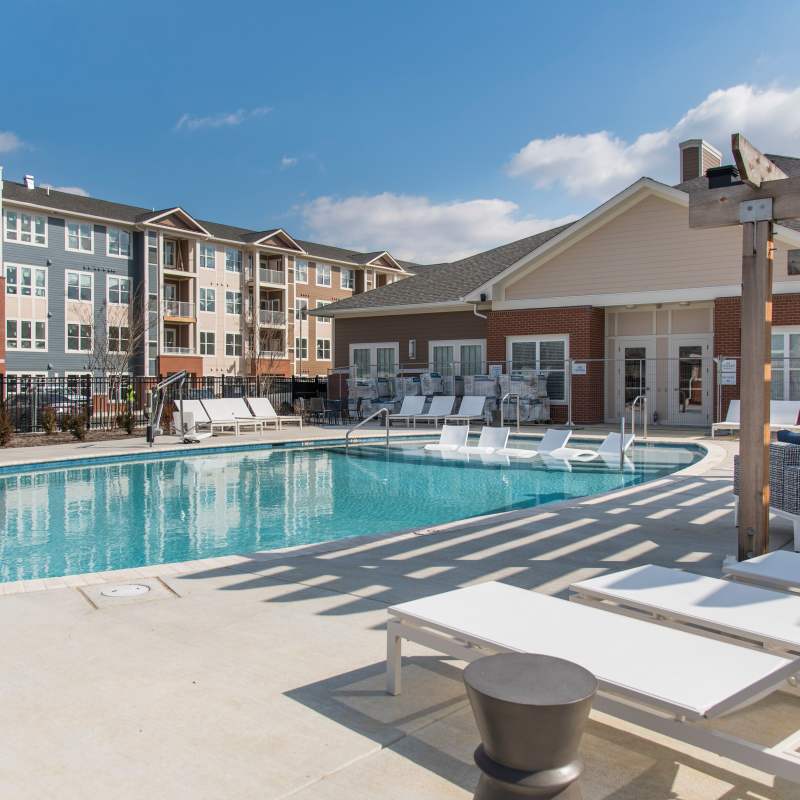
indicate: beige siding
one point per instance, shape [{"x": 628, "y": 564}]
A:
[{"x": 648, "y": 247}]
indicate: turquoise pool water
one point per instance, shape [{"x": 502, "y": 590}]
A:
[{"x": 98, "y": 517}]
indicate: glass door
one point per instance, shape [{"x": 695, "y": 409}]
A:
[
  {"x": 635, "y": 369},
  {"x": 689, "y": 368}
]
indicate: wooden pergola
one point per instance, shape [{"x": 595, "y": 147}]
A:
[{"x": 764, "y": 196}]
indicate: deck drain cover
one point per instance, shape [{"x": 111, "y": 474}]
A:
[{"x": 126, "y": 590}]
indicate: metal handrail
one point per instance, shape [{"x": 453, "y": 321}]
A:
[
  {"x": 508, "y": 396},
  {"x": 643, "y": 398},
  {"x": 363, "y": 422}
]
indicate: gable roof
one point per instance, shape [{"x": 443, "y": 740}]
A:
[{"x": 159, "y": 218}]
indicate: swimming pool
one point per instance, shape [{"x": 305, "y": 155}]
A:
[{"x": 96, "y": 517}]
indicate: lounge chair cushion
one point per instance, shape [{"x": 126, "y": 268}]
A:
[{"x": 789, "y": 437}]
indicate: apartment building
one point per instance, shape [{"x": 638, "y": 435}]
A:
[{"x": 81, "y": 276}]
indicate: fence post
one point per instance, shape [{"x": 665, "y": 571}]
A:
[{"x": 570, "y": 423}]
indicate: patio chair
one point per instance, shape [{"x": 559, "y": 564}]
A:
[
  {"x": 263, "y": 408},
  {"x": 411, "y": 407},
  {"x": 732, "y": 419},
  {"x": 783, "y": 414},
  {"x": 451, "y": 438},
  {"x": 316, "y": 409},
  {"x": 779, "y": 569},
  {"x": 553, "y": 439},
  {"x": 441, "y": 407},
  {"x": 471, "y": 408},
  {"x": 491, "y": 441},
  {"x": 222, "y": 412},
  {"x": 662, "y": 679},
  {"x": 608, "y": 450}
]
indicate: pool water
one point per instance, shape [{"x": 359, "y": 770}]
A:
[{"x": 99, "y": 517}]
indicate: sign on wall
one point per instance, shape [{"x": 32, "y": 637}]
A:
[{"x": 578, "y": 367}]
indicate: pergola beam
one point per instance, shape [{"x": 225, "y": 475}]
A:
[{"x": 754, "y": 167}]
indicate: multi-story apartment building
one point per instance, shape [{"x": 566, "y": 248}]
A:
[{"x": 175, "y": 291}]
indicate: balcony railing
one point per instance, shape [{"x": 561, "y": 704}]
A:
[
  {"x": 271, "y": 317},
  {"x": 178, "y": 308},
  {"x": 174, "y": 350},
  {"x": 272, "y": 276}
]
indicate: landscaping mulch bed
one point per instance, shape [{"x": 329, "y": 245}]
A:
[{"x": 39, "y": 439}]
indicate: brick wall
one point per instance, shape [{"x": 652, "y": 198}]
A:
[{"x": 585, "y": 327}]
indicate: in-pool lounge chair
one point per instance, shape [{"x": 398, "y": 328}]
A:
[
  {"x": 609, "y": 448},
  {"x": 491, "y": 441},
  {"x": 223, "y": 412},
  {"x": 471, "y": 409},
  {"x": 451, "y": 438},
  {"x": 779, "y": 569},
  {"x": 411, "y": 407},
  {"x": 553, "y": 439},
  {"x": 261, "y": 407},
  {"x": 663, "y": 679},
  {"x": 441, "y": 407}
]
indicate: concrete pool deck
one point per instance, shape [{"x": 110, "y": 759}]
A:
[{"x": 263, "y": 677}]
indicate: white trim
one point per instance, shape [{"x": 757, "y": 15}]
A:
[
  {"x": 342, "y": 271},
  {"x": 128, "y": 257},
  {"x": 301, "y": 300},
  {"x": 109, "y": 301},
  {"x": 538, "y": 338},
  {"x": 153, "y": 220},
  {"x": 324, "y": 266},
  {"x": 330, "y": 348},
  {"x": 200, "y": 256},
  {"x": 79, "y": 272},
  {"x": 67, "y": 221},
  {"x": 407, "y": 308},
  {"x": 241, "y": 303},
  {"x": 3, "y": 233},
  {"x": 296, "y": 279},
  {"x": 15, "y": 296},
  {"x": 32, "y": 348},
  {"x": 67, "y": 349},
  {"x": 373, "y": 349},
  {"x": 281, "y": 231},
  {"x": 323, "y": 320},
  {"x": 398, "y": 266}
]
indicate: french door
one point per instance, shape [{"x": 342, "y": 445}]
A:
[
  {"x": 636, "y": 375},
  {"x": 690, "y": 380}
]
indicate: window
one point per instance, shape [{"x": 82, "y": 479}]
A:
[
  {"x": 118, "y": 339},
  {"x": 547, "y": 354},
  {"x": 301, "y": 271},
  {"x": 324, "y": 349},
  {"x": 233, "y": 259},
  {"x": 233, "y": 302},
  {"x": 79, "y": 285},
  {"x": 119, "y": 290},
  {"x": 26, "y": 281},
  {"x": 323, "y": 320},
  {"x": 785, "y": 364},
  {"x": 375, "y": 359},
  {"x": 348, "y": 278},
  {"x": 25, "y": 334},
  {"x": 11, "y": 334},
  {"x": 208, "y": 299},
  {"x": 300, "y": 308},
  {"x": 80, "y": 237},
  {"x": 208, "y": 256},
  {"x": 79, "y": 338},
  {"x": 207, "y": 343},
  {"x": 26, "y": 228},
  {"x": 152, "y": 249},
  {"x": 323, "y": 274},
  {"x": 458, "y": 357},
  {"x": 118, "y": 242},
  {"x": 233, "y": 344},
  {"x": 170, "y": 253},
  {"x": 301, "y": 347},
  {"x": 369, "y": 279}
]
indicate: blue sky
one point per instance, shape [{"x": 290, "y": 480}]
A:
[{"x": 431, "y": 129}]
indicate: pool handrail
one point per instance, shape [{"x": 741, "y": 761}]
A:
[{"x": 383, "y": 410}]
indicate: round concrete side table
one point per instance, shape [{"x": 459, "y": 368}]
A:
[{"x": 531, "y": 711}]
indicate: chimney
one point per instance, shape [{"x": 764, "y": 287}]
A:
[
  {"x": 697, "y": 156},
  {"x": 29, "y": 182}
]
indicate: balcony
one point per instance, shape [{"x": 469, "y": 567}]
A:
[
  {"x": 272, "y": 318},
  {"x": 174, "y": 350},
  {"x": 277, "y": 277},
  {"x": 179, "y": 309}
]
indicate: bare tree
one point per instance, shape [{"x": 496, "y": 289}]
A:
[{"x": 263, "y": 349}]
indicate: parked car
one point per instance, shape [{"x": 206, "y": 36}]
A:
[{"x": 26, "y": 408}]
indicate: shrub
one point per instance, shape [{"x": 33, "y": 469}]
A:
[
  {"x": 127, "y": 421},
  {"x": 6, "y": 429},
  {"x": 76, "y": 425},
  {"x": 49, "y": 420}
]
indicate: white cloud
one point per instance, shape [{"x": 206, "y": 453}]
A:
[
  {"x": 9, "y": 141},
  {"x": 600, "y": 163},
  {"x": 191, "y": 122},
  {"x": 287, "y": 162},
  {"x": 72, "y": 190},
  {"x": 414, "y": 228}
]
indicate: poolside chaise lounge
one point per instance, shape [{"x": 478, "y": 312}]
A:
[
  {"x": 242, "y": 411},
  {"x": 471, "y": 408},
  {"x": 451, "y": 438},
  {"x": 411, "y": 407},
  {"x": 662, "y": 679},
  {"x": 224, "y": 412},
  {"x": 732, "y": 419},
  {"x": 779, "y": 569},
  {"x": 441, "y": 407},
  {"x": 609, "y": 447},
  {"x": 263, "y": 408},
  {"x": 491, "y": 441},
  {"x": 202, "y": 419},
  {"x": 553, "y": 439},
  {"x": 783, "y": 414}
]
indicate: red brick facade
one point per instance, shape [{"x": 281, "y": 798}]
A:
[{"x": 585, "y": 327}]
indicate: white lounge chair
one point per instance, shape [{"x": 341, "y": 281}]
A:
[
  {"x": 748, "y": 614},
  {"x": 222, "y": 414},
  {"x": 472, "y": 408},
  {"x": 783, "y": 414},
  {"x": 263, "y": 408},
  {"x": 202, "y": 419},
  {"x": 242, "y": 411},
  {"x": 411, "y": 407},
  {"x": 669, "y": 681},
  {"x": 609, "y": 447},
  {"x": 732, "y": 419},
  {"x": 553, "y": 439},
  {"x": 451, "y": 438},
  {"x": 441, "y": 407},
  {"x": 491, "y": 441},
  {"x": 187, "y": 428},
  {"x": 779, "y": 569}
]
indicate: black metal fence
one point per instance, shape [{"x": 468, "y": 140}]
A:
[{"x": 34, "y": 403}]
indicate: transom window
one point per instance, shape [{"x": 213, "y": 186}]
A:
[
  {"x": 324, "y": 349},
  {"x": 26, "y": 281},
  {"x": 79, "y": 285},
  {"x": 25, "y": 334},
  {"x": 233, "y": 302},
  {"x": 207, "y": 344},
  {"x": 233, "y": 344},
  {"x": 26, "y": 228},
  {"x": 300, "y": 271},
  {"x": 152, "y": 249},
  {"x": 208, "y": 299},
  {"x": 786, "y": 364},
  {"x": 208, "y": 256},
  {"x": 79, "y": 338},
  {"x": 542, "y": 354},
  {"x": 119, "y": 290},
  {"x": 118, "y": 338},
  {"x": 233, "y": 259},
  {"x": 347, "y": 278},
  {"x": 323, "y": 274},
  {"x": 119, "y": 243},
  {"x": 80, "y": 236}
]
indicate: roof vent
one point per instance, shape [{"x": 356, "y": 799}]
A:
[{"x": 29, "y": 182}]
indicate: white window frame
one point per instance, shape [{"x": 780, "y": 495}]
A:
[
  {"x": 213, "y": 291},
  {"x": 206, "y": 246},
  {"x": 233, "y": 313},
  {"x": 234, "y": 344},
  {"x": 323, "y": 320},
  {"x": 456, "y": 345},
  {"x": 352, "y": 274},
  {"x": 34, "y": 322},
  {"x": 297, "y": 263},
  {"x": 300, "y": 345},
  {"x": 78, "y": 272},
  {"x": 785, "y": 331},
  {"x": 237, "y": 260},
  {"x": 67, "y": 348},
  {"x": 119, "y": 337},
  {"x": 120, "y": 278},
  {"x": 78, "y": 249},
  {"x": 203, "y": 352},
  {"x": 538, "y": 338},
  {"x": 303, "y": 302},
  {"x": 323, "y": 269},
  {"x": 328, "y": 341},
  {"x": 119, "y": 231},
  {"x": 373, "y": 348},
  {"x": 18, "y": 283},
  {"x": 18, "y": 228}
]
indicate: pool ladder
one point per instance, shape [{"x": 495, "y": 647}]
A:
[
  {"x": 641, "y": 401},
  {"x": 363, "y": 422},
  {"x": 509, "y": 396}
]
